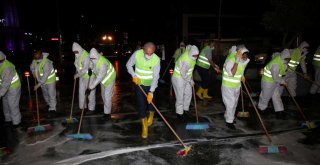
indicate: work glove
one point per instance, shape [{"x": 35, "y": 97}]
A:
[
  {"x": 36, "y": 86},
  {"x": 136, "y": 80},
  {"x": 75, "y": 76},
  {"x": 243, "y": 79},
  {"x": 283, "y": 83},
  {"x": 89, "y": 71},
  {"x": 149, "y": 97},
  {"x": 87, "y": 93},
  {"x": 238, "y": 56}
]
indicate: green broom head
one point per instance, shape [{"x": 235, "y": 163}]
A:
[
  {"x": 272, "y": 149},
  {"x": 4, "y": 151},
  {"x": 70, "y": 121},
  {"x": 81, "y": 136},
  {"x": 197, "y": 126},
  {"x": 243, "y": 114},
  {"x": 39, "y": 129},
  {"x": 184, "y": 152}
]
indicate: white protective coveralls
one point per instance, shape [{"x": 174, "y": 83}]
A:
[
  {"x": 106, "y": 92},
  {"x": 48, "y": 90},
  {"x": 10, "y": 97},
  {"x": 230, "y": 96},
  {"x": 183, "y": 86},
  {"x": 272, "y": 90},
  {"x": 83, "y": 81}
]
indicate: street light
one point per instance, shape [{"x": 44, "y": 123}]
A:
[
  {"x": 109, "y": 38},
  {"x": 104, "y": 37}
]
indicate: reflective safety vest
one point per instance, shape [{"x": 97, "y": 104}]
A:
[
  {"x": 111, "y": 74},
  {"x": 78, "y": 65},
  {"x": 295, "y": 60},
  {"x": 232, "y": 81},
  {"x": 316, "y": 59},
  {"x": 203, "y": 61},
  {"x": 144, "y": 68},
  {"x": 267, "y": 76},
  {"x": 15, "y": 82},
  {"x": 52, "y": 77},
  {"x": 184, "y": 57}
]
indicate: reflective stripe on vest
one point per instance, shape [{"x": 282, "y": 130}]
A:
[
  {"x": 232, "y": 81},
  {"x": 267, "y": 76},
  {"x": 144, "y": 68},
  {"x": 295, "y": 60},
  {"x": 15, "y": 82},
  {"x": 111, "y": 74},
  {"x": 316, "y": 59},
  {"x": 203, "y": 61},
  {"x": 52, "y": 77},
  {"x": 184, "y": 57}
]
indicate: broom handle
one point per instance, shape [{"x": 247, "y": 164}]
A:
[
  {"x": 300, "y": 74},
  {"x": 255, "y": 108},
  {"x": 166, "y": 69},
  {"x": 174, "y": 132},
  {"x": 74, "y": 88},
  {"x": 37, "y": 106},
  {"x": 242, "y": 105},
  {"x": 84, "y": 103},
  {"x": 294, "y": 100},
  {"x": 195, "y": 103}
]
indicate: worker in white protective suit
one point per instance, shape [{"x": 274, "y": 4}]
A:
[
  {"x": 271, "y": 81},
  {"x": 10, "y": 91},
  {"x": 182, "y": 79},
  {"x": 44, "y": 73},
  {"x": 298, "y": 56},
  {"x": 82, "y": 64},
  {"x": 316, "y": 64},
  {"x": 233, "y": 71},
  {"x": 105, "y": 75}
]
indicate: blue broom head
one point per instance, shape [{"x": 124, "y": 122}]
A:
[
  {"x": 81, "y": 136},
  {"x": 39, "y": 129},
  {"x": 70, "y": 121},
  {"x": 197, "y": 126},
  {"x": 309, "y": 124},
  {"x": 272, "y": 149}
]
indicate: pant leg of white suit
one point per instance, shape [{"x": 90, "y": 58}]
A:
[
  {"x": 45, "y": 93},
  {"x": 52, "y": 96},
  {"x": 230, "y": 98},
  {"x": 187, "y": 96},
  {"x": 11, "y": 105},
  {"x": 107, "y": 93},
  {"x": 315, "y": 88},
  {"x": 83, "y": 83},
  {"x": 178, "y": 87},
  {"x": 276, "y": 99},
  {"x": 291, "y": 80},
  {"x": 267, "y": 91}
]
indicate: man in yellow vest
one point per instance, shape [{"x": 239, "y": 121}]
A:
[
  {"x": 42, "y": 68},
  {"x": 82, "y": 64},
  {"x": 10, "y": 91},
  {"x": 298, "y": 56},
  {"x": 145, "y": 74},
  {"x": 233, "y": 71},
  {"x": 182, "y": 79},
  {"x": 204, "y": 62},
  {"x": 179, "y": 51},
  {"x": 105, "y": 75},
  {"x": 316, "y": 64},
  {"x": 271, "y": 80}
]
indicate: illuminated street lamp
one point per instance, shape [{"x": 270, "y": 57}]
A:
[
  {"x": 104, "y": 37},
  {"x": 109, "y": 38}
]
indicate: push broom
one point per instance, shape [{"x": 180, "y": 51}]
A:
[
  {"x": 308, "y": 79},
  {"x": 71, "y": 120},
  {"x": 196, "y": 126},
  {"x": 78, "y": 135},
  {"x": 269, "y": 148},
  {"x": 186, "y": 149},
  {"x": 309, "y": 124},
  {"x": 242, "y": 114},
  {"x": 39, "y": 128}
]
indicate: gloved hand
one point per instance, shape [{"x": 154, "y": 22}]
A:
[
  {"x": 243, "y": 79},
  {"x": 238, "y": 56},
  {"x": 75, "y": 76},
  {"x": 88, "y": 91},
  {"x": 89, "y": 71},
  {"x": 36, "y": 86},
  {"x": 192, "y": 82},
  {"x": 136, "y": 80},
  {"x": 149, "y": 97},
  {"x": 283, "y": 83}
]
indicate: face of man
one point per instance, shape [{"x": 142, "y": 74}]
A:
[
  {"x": 37, "y": 55},
  {"x": 245, "y": 56},
  {"x": 149, "y": 50},
  {"x": 76, "y": 52}
]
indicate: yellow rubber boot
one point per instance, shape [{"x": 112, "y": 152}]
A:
[
  {"x": 144, "y": 122},
  {"x": 205, "y": 94},
  {"x": 150, "y": 118},
  {"x": 199, "y": 93}
]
